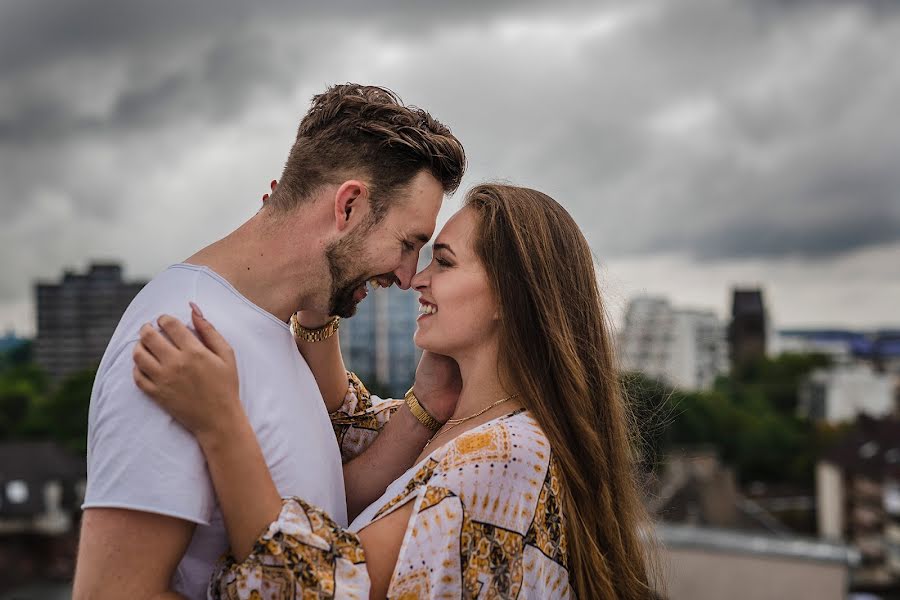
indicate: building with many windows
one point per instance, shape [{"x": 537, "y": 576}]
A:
[
  {"x": 683, "y": 347},
  {"x": 377, "y": 342},
  {"x": 77, "y": 317}
]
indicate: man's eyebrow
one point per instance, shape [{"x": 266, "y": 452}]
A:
[
  {"x": 421, "y": 237},
  {"x": 443, "y": 246}
]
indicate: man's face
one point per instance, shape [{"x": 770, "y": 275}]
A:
[{"x": 386, "y": 252}]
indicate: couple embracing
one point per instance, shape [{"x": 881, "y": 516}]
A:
[{"x": 231, "y": 455}]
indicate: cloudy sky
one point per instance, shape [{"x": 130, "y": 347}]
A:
[{"x": 700, "y": 143}]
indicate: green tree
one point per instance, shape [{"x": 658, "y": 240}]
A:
[
  {"x": 776, "y": 380},
  {"x": 63, "y": 414},
  {"x": 748, "y": 417},
  {"x": 21, "y": 387}
]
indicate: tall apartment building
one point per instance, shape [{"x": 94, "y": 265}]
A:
[
  {"x": 747, "y": 332},
  {"x": 377, "y": 342},
  {"x": 684, "y": 347},
  {"x": 77, "y": 317}
]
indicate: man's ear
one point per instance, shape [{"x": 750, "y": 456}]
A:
[{"x": 351, "y": 203}]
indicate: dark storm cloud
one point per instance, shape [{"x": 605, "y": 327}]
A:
[
  {"x": 240, "y": 54},
  {"x": 794, "y": 157},
  {"x": 715, "y": 130}
]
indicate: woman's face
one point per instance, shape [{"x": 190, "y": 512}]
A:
[{"x": 458, "y": 310}]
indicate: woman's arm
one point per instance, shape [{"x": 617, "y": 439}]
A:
[
  {"x": 325, "y": 361},
  {"x": 200, "y": 388},
  {"x": 170, "y": 370},
  {"x": 247, "y": 495}
]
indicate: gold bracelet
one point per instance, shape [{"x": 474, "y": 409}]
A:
[
  {"x": 419, "y": 412},
  {"x": 314, "y": 335}
]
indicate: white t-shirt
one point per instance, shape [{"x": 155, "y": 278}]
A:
[{"x": 140, "y": 458}]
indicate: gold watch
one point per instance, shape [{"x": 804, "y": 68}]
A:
[
  {"x": 314, "y": 335},
  {"x": 419, "y": 412}
]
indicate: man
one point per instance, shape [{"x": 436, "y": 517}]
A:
[{"x": 357, "y": 200}]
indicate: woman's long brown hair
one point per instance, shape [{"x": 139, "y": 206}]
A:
[{"x": 556, "y": 351}]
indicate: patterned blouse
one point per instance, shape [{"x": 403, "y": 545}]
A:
[{"x": 486, "y": 522}]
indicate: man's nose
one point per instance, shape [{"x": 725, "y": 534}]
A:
[
  {"x": 406, "y": 271},
  {"x": 404, "y": 277}
]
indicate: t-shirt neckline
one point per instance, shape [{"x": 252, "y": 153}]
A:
[{"x": 227, "y": 285}]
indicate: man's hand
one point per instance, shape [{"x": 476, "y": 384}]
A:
[{"x": 438, "y": 384}]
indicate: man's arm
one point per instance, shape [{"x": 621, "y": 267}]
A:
[
  {"x": 389, "y": 456},
  {"x": 325, "y": 361},
  {"x": 128, "y": 554},
  {"x": 403, "y": 437},
  {"x": 142, "y": 466}
]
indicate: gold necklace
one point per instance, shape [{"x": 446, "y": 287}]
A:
[{"x": 456, "y": 422}]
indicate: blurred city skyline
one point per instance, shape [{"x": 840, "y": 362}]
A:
[{"x": 700, "y": 144}]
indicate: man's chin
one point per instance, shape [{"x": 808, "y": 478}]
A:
[
  {"x": 346, "y": 314},
  {"x": 344, "y": 310}
]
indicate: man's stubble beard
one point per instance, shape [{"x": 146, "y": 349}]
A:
[{"x": 342, "y": 255}]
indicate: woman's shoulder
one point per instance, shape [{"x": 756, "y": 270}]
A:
[
  {"x": 498, "y": 470},
  {"x": 512, "y": 438}
]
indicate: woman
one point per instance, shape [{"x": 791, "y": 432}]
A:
[{"x": 529, "y": 491}]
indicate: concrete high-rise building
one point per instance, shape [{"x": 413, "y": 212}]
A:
[
  {"x": 747, "y": 331},
  {"x": 684, "y": 347},
  {"x": 377, "y": 342},
  {"x": 77, "y": 317}
]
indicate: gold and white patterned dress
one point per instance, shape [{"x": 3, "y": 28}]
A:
[{"x": 486, "y": 521}]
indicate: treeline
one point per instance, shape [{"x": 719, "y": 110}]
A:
[
  {"x": 32, "y": 407},
  {"x": 749, "y": 418}
]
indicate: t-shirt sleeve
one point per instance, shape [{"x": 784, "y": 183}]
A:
[{"x": 139, "y": 457}]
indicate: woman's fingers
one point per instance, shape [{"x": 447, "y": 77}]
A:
[
  {"x": 156, "y": 343},
  {"x": 146, "y": 362},
  {"x": 208, "y": 334},
  {"x": 143, "y": 382},
  {"x": 178, "y": 332}
]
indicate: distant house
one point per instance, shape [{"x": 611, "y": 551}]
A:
[
  {"x": 845, "y": 391},
  {"x": 858, "y": 497},
  {"x": 41, "y": 487},
  {"x": 717, "y": 543},
  {"x": 696, "y": 489}
]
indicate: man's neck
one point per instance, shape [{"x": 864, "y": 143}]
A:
[{"x": 267, "y": 263}]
